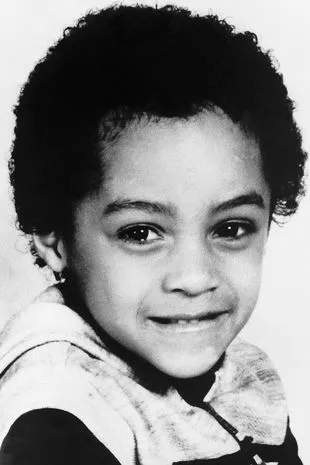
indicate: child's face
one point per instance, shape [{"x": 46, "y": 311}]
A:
[{"x": 169, "y": 253}]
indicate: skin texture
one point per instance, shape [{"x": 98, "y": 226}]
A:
[{"x": 177, "y": 232}]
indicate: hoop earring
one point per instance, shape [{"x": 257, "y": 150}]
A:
[{"x": 60, "y": 276}]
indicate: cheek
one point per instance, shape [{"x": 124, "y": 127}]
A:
[
  {"x": 245, "y": 278},
  {"x": 117, "y": 284}
]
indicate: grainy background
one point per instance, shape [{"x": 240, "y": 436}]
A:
[{"x": 281, "y": 322}]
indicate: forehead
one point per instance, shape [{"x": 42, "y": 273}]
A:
[{"x": 206, "y": 154}]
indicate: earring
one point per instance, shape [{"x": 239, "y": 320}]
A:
[{"x": 60, "y": 276}]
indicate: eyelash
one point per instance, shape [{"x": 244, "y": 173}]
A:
[
  {"x": 228, "y": 231},
  {"x": 130, "y": 235},
  {"x": 225, "y": 228}
]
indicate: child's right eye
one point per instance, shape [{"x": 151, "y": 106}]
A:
[{"x": 140, "y": 235}]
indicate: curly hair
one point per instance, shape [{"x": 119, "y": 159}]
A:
[{"x": 124, "y": 61}]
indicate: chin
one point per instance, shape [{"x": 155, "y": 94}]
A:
[{"x": 189, "y": 368}]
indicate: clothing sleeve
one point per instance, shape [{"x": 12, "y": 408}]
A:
[
  {"x": 290, "y": 450},
  {"x": 285, "y": 454},
  {"x": 52, "y": 437}
]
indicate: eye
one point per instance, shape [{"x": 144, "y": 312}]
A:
[
  {"x": 140, "y": 235},
  {"x": 234, "y": 230}
]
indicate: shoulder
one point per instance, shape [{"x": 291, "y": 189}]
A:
[
  {"x": 250, "y": 364},
  {"x": 52, "y": 436},
  {"x": 51, "y": 358},
  {"x": 250, "y": 395}
]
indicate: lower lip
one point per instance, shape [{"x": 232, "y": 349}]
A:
[{"x": 190, "y": 327}]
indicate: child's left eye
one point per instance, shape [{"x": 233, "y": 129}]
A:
[
  {"x": 139, "y": 235},
  {"x": 234, "y": 230}
]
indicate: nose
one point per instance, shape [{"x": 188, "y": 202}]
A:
[{"x": 192, "y": 271}]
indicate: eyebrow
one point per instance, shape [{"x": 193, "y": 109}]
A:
[
  {"x": 169, "y": 210},
  {"x": 148, "y": 207},
  {"x": 252, "y": 198}
]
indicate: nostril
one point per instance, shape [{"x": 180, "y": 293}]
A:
[
  {"x": 193, "y": 270},
  {"x": 189, "y": 285},
  {"x": 193, "y": 292}
]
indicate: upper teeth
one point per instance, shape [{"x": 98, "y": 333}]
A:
[
  {"x": 184, "y": 322},
  {"x": 179, "y": 321}
]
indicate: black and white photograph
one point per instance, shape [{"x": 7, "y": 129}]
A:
[{"x": 154, "y": 232}]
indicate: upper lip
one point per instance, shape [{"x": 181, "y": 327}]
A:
[{"x": 188, "y": 317}]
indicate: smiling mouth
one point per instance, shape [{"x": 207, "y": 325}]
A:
[{"x": 187, "y": 320}]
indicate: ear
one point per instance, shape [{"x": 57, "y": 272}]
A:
[{"x": 52, "y": 250}]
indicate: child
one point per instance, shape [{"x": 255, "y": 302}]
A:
[{"x": 152, "y": 150}]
